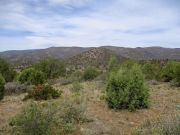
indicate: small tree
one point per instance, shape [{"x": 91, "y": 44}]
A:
[
  {"x": 126, "y": 89},
  {"x": 52, "y": 68},
  {"x": 2, "y": 83},
  {"x": 31, "y": 76},
  {"x": 90, "y": 73}
]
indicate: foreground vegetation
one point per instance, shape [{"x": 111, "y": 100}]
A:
[{"x": 58, "y": 109}]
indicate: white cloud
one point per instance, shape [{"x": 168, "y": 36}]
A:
[{"x": 128, "y": 23}]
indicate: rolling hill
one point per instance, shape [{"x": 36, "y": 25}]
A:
[
  {"x": 98, "y": 57},
  {"x": 89, "y": 56},
  {"x": 147, "y": 53}
]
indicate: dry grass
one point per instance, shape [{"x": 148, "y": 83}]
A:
[
  {"x": 9, "y": 107},
  {"x": 164, "y": 99}
]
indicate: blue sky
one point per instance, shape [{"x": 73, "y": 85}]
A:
[{"x": 32, "y": 24}]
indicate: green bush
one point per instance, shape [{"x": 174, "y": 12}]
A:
[
  {"x": 113, "y": 65},
  {"x": 31, "y": 76},
  {"x": 171, "y": 72},
  {"x": 2, "y": 83},
  {"x": 168, "y": 71},
  {"x": 152, "y": 70},
  {"x": 6, "y": 70},
  {"x": 43, "y": 92},
  {"x": 129, "y": 63},
  {"x": 126, "y": 89},
  {"x": 52, "y": 68},
  {"x": 90, "y": 73},
  {"x": 177, "y": 75},
  {"x": 47, "y": 118},
  {"x": 33, "y": 120}
]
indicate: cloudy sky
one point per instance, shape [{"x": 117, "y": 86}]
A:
[{"x": 29, "y": 24}]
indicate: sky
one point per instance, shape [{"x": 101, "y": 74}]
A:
[{"x": 34, "y": 24}]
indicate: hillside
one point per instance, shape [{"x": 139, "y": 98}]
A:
[
  {"x": 146, "y": 53},
  {"x": 94, "y": 57},
  {"x": 27, "y": 57}
]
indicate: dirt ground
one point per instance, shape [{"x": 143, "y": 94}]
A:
[{"x": 104, "y": 121}]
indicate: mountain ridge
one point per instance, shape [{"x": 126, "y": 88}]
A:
[{"x": 69, "y": 53}]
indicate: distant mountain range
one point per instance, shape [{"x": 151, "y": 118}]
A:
[{"x": 80, "y": 55}]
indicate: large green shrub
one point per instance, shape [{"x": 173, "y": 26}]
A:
[
  {"x": 31, "y": 76},
  {"x": 52, "y": 68},
  {"x": 6, "y": 70},
  {"x": 126, "y": 89},
  {"x": 2, "y": 83},
  {"x": 90, "y": 73},
  {"x": 43, "y": 92}
]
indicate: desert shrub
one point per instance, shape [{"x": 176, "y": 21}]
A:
[
  {"x": 172, "y": 72},
  {"x": 90, "y": 73},
  {"x": 34, "y": 119},
  {"x": 168, "y": 71},
  {"x": 16, "y": 88},
  {"x": 163, "y": 125},
  {"x": 76, "y": 87},
  {"x": 152, "y": 70},
  {"x": 73, "y": 77},
  {"x": 126, "y": 89},
  {"x": 52, "y": 68},
  {"x": 113, "y": 65},
  {"x": 48, "y": 118},
  {"x": 129, "y": 63},
  {"x": 31, "y": 76},
  {"x": 73, "y": 111},
  {"x": 2, "y": 82},
  {"x": 177, "y": 75},
  {"x": 6, "y": 70},
  {"x": 43, "y": 92}
]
